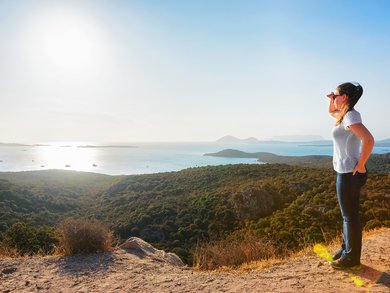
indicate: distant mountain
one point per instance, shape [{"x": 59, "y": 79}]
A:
[
  {"x": 232, "y": 139},
  {"x": 383, "y": 143},
  {"x": 302, "y": 140},
  {"x": 306, "y": 139}
]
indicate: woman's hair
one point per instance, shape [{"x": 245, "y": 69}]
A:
[{"x": 354, "y": 91}]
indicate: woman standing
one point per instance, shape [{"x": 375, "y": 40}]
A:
[{"x": 349, "y": 162}]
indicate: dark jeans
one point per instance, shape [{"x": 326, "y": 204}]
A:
[{"x": 348, "y": 193}]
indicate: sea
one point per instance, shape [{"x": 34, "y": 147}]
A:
[{"x": 142, "y": 158}]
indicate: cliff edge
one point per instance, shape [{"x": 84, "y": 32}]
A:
[{"x": 132, "y": 269}]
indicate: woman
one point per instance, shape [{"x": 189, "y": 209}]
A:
[{"x": 349, "y": 163}]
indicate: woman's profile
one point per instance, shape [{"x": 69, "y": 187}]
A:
[{"x": 352, "y": 146}]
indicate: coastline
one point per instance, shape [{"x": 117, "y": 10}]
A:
[{"x": 149, "y": 158}]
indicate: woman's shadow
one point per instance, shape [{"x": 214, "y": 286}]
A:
[{"x": 373, "y": 275}]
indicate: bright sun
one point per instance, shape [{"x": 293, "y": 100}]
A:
[
  {"x": 68, "y": 45},
  {"x": 65, "y": 40}
]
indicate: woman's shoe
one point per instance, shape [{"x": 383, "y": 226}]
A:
[
  {"x": 344, "y": 263},
  {"x": 337, "y": 255}
]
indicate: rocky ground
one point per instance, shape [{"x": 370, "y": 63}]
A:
[{"x": 130, "y": 271}]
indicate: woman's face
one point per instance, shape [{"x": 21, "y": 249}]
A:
[{"x": 339, "y": 100}]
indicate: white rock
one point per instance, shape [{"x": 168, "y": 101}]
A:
[{"x": 144, "y": 248}]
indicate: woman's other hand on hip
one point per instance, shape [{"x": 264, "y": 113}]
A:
[{"x": 359, "y": 169}]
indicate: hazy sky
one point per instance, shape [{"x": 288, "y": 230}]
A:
[{"x": 153, "y": 70}]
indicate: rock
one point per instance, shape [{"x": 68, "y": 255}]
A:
[
  {"x": 7, "y": 271},
  {"x": 143, "y": 248},
  {"x": 253, "y": 201}
]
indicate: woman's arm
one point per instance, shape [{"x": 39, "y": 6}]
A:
[
  {"x": 367, "y": 145},
  {"x": 332, "y": 109}
]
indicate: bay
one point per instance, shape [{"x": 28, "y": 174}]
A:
[{"x": 145, "y": 158}]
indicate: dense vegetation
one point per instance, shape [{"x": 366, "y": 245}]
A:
[
  {"x": 293, "y": 206},
  {"x": 71, "y": 236},
  {"x": 314, "y": 216},
  {"x": 28, "y": 240},
  {"x": 46, "y": 197},
  {"x": 178, "y": 209}
]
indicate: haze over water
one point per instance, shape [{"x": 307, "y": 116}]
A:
[{"x": 142, "y": 159}]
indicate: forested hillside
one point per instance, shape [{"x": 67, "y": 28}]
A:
[
  {"x": 291, "y": 205},
  {"x": 177, "y": 210},
  {"x": 46, "y": 197}
]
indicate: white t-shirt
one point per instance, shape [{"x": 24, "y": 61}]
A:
[{"x": 346, "y": 145}]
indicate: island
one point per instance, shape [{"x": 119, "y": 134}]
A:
[
  {"x": 379, "y": 163},
  {"x": 107, "y": 146},
  {"x": 265, "y": 157}
]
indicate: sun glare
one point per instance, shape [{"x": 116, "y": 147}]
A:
[
  {"x": 66, "y": 40},
  {"x": 68, "y": 45},
  {"x": 67, "y": 156}
]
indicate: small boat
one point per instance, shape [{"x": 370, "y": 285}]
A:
[
  {"x": 67, "y": 166},
  {"x": 94, "y": 165}
]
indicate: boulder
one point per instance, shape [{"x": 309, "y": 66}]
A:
[{"x": 144, "y": 249}]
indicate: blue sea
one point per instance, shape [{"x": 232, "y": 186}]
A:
[{"x": 144, "y": 158}]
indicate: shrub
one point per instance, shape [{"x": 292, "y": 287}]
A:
[
  {"x": 83, "y": 236},
  {"x": 46, "y": 240},
  {"x": 27, "y": 240},
  {"x": 372, "y": 224},
  {"x": 232, "y": 252},
  {"x": 19, "y": 236}
]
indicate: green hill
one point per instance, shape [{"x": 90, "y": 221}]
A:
[
  {"x": 45, "y": 197},
  {"x": 292, "y": 205}
]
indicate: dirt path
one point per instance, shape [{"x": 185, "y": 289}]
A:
[{"x": 121, "y": 271}]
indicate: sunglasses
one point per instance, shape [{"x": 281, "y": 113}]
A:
[{"x": 335, "y": 96}]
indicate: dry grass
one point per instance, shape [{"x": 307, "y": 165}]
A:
[
  {"x": 232, "y": 252},
  {"x": 8, "y": 252},
  {"x": 374, "y": 231},
  {"x": 262, "y": 264},
  {"x": 83, "y": 236},
  {"x": 332, "y": 245},
  {"x": 225, "y": 256}
]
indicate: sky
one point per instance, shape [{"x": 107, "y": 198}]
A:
[{"x": 196, "y": 70}]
